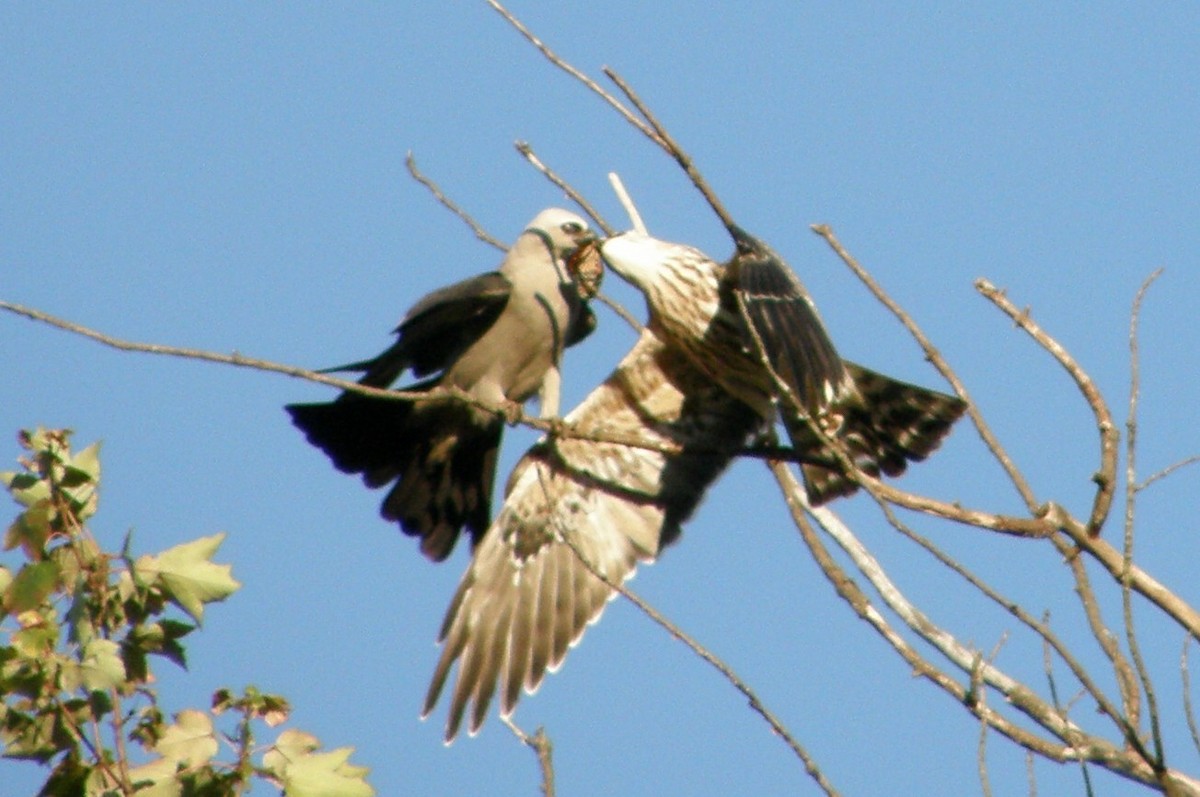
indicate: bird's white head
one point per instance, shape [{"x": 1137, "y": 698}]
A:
[
  {"x": 562, "y": 230},
  {"x": 640, "y": 259}
]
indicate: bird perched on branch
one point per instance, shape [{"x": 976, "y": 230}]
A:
[
  {"x": 663, "y": 426},
  {"x": 499, "y": 337}
]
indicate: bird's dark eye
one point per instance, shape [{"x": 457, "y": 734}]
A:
[{"x": 572, "y": 227}]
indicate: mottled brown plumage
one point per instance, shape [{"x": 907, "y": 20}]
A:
[
  {"x": 527, "y": 597},
  {"x": 715, "y": 311}
]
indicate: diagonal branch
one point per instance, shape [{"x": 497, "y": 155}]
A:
[
  {"x": 527, "y": 153},
  {"x": 1106, "y": 477},
  {"x": 935, "y": 357},
  {"x": 450, "y": 205}
]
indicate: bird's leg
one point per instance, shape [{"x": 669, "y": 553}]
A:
[{"x": 550, "y": 394}]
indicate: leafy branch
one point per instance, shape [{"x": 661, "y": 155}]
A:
[{"x": 81, "y": 628}]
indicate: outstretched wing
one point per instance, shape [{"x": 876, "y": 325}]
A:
[{"x": 527, "y": 597}]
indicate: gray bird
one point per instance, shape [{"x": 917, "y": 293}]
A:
[{"x": 499, "y": 337}]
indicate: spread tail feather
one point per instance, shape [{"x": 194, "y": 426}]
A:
[
  {"x": 441, "y": 455},
  {"x": 890, "y": 424}
]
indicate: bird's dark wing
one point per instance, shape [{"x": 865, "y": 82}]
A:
[
  {"x": 583, "y": 323},
  {"x": 783, "y": 315},
  {"x": 438, "y": 329},
  {"x": 527, "y": 597}
]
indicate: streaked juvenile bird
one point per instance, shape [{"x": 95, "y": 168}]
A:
[
  {"x": 722, "y": 313},
  {"x": 499, "y": 337},
  {"x": 682, "y": 404}
]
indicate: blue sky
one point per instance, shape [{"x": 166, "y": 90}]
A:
[{"x": 232, "y": 178}]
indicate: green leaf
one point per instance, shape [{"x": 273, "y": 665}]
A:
[
  {"x": 101, "y": 666},
  {"x": 39, "y": 737},
  {"x": 188, "y": 577},
  {"x": 80, "y": 479},
  {"x": 6, "y": 578},
  {"x": 31, "y": 529},
  {"x": 31, "y": 587},
  {"x": 190, "y": 741},
  {"x": 290, "y": 746},
  {"x": 157, "y": 778},
  {"x": 85, "y": 464},
  {"x": 306, "y": 773},
  {"x": 68, "y": 778},
  {"x": 326, "y": 775},
  {"x": 26, "y": 488}
]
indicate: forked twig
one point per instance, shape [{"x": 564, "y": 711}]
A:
[{"x": 1106, "y": 477}]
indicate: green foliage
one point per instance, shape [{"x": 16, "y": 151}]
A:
[{"x": 80, "y": 628}]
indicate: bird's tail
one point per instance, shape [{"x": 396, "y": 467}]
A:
[
  {"x": 440, "y": 453},
  {"x": 891, "y": 424}
]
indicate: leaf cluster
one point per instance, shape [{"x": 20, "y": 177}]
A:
[{"x": 79, "y": 630}]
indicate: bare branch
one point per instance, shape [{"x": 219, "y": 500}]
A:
[
  {"x": 553, "y": 58},
  {"x": 1106, "y": 477},
  {"x": 1039, "y": 627},
  {"x": 1167, "y": 471},
  {"x": 1111, "y": 559},
  {"x": 850, "y": 592},
  {"x": 513, "y": 414},
  {"x": 528, "y": 154},
  {"x": 1135, "y": 650},
  {"x": 540, "y": 744},
  {"x": 450, "y": 205},
  {"x": 938, "y": 362}
]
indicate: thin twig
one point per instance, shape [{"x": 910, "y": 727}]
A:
[
  {"x": 450, "y": 205},
  {"x": 526, "y": 151},
  {"x": 553, "y": 58},
  {"x": 1186, "y": 680},
  {"x": 540, "y": 744},
  {"x": 1135, "y": 651},
  {"x": 635, "y": 218},
  {"x": 1106, "y": 477},
  {"x": 756, "y": 704},
  {"x": 935, "y": 358},
  {"x": 483, "y": 235},
  {"x": 1167, "y": 471},
  {"x": 985, "y": 784},
  {"x": 672, "y": 148}
]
